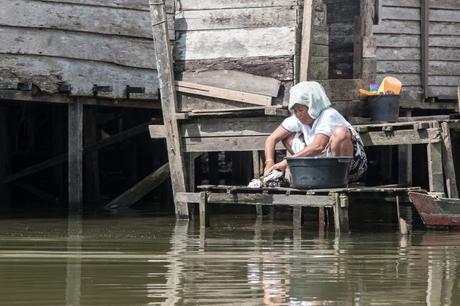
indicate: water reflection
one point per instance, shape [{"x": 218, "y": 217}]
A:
[
  {"x": 144, "y": 260},
  {"x": 73, "y": 269}
]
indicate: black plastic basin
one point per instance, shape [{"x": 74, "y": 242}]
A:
[{"x": 319, "y": 172}]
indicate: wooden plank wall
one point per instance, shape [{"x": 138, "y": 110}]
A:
[
  {"x": 444, "y": 48},
  {"x": 399, "y": 46},
  {"x": 255, "y": 36},
  {"x": 82, "y": 42}
]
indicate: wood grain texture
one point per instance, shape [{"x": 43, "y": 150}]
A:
[
  {"x": 199, "y": 45},
  {"x": 397, "y": 27},
  {"x": 47, "y": 72},
  {"x": 186, "y": 5},
  {"x": 235, "y": 18},
  {"x": 398, "y": 40},
  {"x": 74, "y": 17},
  {"x": 235, "y": 80},
  {"x": 117, "y": 50},
  {"x": 279, "y": 67}
]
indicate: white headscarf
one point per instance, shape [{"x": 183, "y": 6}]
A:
[{"x": 312, "y": 95}]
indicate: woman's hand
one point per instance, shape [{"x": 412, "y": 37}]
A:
[{"x": 281, "y": 166}]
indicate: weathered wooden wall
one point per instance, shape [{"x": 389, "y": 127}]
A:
[
  {"x": 82, "y": 42},
  {"x": 256, "y": 36},
  {"x": 399, "y": 38}
]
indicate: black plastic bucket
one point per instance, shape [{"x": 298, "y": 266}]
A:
[
  {"x": 384, "y": 107},
  {"x": 319, "y": 172}
]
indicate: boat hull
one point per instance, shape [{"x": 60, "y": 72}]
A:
[{"x": 436, "y": 211}]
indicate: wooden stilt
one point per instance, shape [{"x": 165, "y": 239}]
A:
[
  {"x": 256, "y": 163},
  {"x": 164, "y": 65},
  {"x": 137, "y": 192},
  {"x": 448, "y": 161},
  {"x": 191, "y": 159},
  {"x": 4, "y": 156},
  {"x": 405, "y": 162},
  {"x": 321, "y": 220},
  {"x": 204, "y": 218},
  {"x": 91, "y": 158},
  {"x": 297, "y": 217},
  {"x": 75, "y": 153},
  {"x": 340, "y": 207},
  {"x": 435, "y": 173}
]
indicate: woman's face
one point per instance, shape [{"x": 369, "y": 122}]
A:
[{"x": 301, "y": 112}]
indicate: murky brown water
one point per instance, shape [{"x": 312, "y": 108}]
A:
[{"x": 146, "y": 260}]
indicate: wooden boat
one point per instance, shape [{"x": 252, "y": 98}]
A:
[{"x": 436, "y": 211}]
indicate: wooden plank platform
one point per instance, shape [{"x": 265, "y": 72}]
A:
[{"x": 335, "y": 198}]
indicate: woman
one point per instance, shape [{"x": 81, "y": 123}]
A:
[{"x": 315, "y": 129}]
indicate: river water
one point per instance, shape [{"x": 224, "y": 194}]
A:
[{"x": 151, "y": 260}]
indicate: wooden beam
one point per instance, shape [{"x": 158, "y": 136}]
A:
[
  {"x": 399, "y": 137},
  {"x": 75, "y": 154},
  {"x": 25, "y": 96},
  {"x": 271, "y": 199},
  {"x": 425, "y": 28},
  {"x": 235, "y": 80},
  {"x": 164, "y": 61},
  {"x": 448, "y": 162},
  {"x": 222, "y": 93},
  {"x": 306, "y": 39},
  {"x": 138, "y": 191}
]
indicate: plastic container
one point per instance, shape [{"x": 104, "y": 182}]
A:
[
  {"x": 319, "y": 172},
  {"x": 384, "y": 107}
]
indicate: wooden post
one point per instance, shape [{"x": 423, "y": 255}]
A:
[
  {"x": 435, "y": 173},
  {"x": 297, "y": 217},
  {"x": 340, "y": 207},
  {"x": 91, "y": 158},
  {"x": 164, "y": 65},
  {"x": 306, "y": 39},
  {"x": 321, "y": 220},
  {"x": 448, "y": 161},
  {"x": 75, "y": 154},
  {"x": 405, "y": 162},
  {"x": 256, "y": 165},
  {"x": 4, "y": 156},
  {"x": 204, "y": 218}
]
